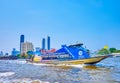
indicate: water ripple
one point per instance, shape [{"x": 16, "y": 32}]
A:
[{"x": 107, "y": 71}]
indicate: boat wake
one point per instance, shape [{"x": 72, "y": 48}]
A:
[
  {"x": 40, "y": 64},
  {"x": 24, "y": 80},
  {"x": 58, "y": 65},
  {"x": 77, "y": 66},
  {"x": 6, "y": 74},
  {"x": 18, "y": 61}
]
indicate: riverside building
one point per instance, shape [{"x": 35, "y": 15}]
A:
[{"x": 26, "y": 46}]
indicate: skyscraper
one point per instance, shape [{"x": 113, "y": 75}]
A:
[
  {"x": 48, "y": 42},
  {"x": 21, "y": 41},
  {"x": 43, "y": 44},
  {"x": 21, "y": 38}
]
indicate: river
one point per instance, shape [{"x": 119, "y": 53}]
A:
[{"x": 19, "y": 71}]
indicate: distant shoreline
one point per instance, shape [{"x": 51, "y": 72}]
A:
[{"x": 8, "y": 57}]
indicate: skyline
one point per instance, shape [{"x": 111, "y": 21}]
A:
[{"x": 95, "y": 23}]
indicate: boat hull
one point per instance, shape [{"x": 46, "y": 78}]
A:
[{"x": 92, "y": 60}]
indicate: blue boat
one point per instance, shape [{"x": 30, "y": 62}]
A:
[{"x": 72, "y": 54}]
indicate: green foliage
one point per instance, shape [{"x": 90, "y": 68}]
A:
[
  {"x": 108, "y": 51},
  {"x": 18, "y": 55},
  {"x": 30, "y": 54},
  {"x": 112, "y": 50},
  {"x": 117, "y": 51},
  {"x": 22, "y": 56},
  {"x": 103, "y": 51}
]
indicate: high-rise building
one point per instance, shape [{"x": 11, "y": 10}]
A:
[
  {"x": 48, "y": 42},
  {"x": 15, "y": 52},
  {"x": 21, "y": 40},
  {"x": 43, "y": 44},
  {"x": 1, "y": 53},
  {"x": 26, "y": 46}
]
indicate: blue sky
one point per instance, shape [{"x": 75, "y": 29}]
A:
[{"x": 94, "y": 22}]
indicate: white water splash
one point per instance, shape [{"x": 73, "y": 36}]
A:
[
  {"x": 41, "y": 64},
  {"x": 22, "y": 61},
  {"x": 24, "y": 80},
  {"x": 77, "y": 66},
  {"x": 5, "y": 74}
]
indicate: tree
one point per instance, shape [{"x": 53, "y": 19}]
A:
[
  {"x": 112, "y": 50},
  {"x": 24, "y": 55},
  {"x": 103, "y": 51},
  {"x": 30, "y": 54},
  {"x": 19, "y": 56},
  {"x": 117, "y": 51}
]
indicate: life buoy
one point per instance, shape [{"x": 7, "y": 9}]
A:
[{"x": 80, "y": 53}]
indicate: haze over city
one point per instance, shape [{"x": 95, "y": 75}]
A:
[{"x": 93, "y": 22}]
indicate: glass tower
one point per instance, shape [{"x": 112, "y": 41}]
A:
[
  {"x": 21, "y": 41},
  {"x": 43, "y": 43},
  {"x": 48, "y": 43}
]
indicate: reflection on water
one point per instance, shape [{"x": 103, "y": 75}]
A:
[
  {"x": 91, "y": 67},
  {"x": 18, "y": 71}
]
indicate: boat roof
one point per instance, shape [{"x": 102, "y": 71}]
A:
[{"x": 77, "y": 44}]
